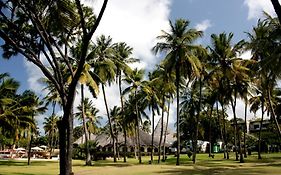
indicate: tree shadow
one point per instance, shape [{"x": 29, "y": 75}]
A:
[
  {"x": 21, "y": 163},
  {"x": 209, "y": 171}
]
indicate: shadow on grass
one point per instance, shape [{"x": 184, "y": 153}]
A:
[
  {"x": 22, "y": 163},
  {"x": 20, "y": 174},
  {"x": 104, "y": 164},
  {"x": 218, "y": 170}
]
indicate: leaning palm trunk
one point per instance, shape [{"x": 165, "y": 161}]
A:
[
  {"x": 197, "y": 119},
  {"x": 165, "y": 135},
  {"x": 88, "y": 155},
  {"x": 272, "y": 111},
  {"x": 161, "y": 132},
  {"x": 262, "y": 115},
  {"x": 236, "y": 129},
  {"x": 138, "y": 129},
  {"x": 110, "y": 124}
]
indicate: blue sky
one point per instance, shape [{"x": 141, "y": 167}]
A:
[{"x": 139, "y": 22}]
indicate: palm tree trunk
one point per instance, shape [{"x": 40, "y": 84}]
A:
[
  {"x": 262, "y": 115},
  {"x": 273, "y": 114},
  {"x": 245, "y": 129},
  {"x": 210, "y": 132},
  {"x": 117, "y": 147},
  {"x": 225, "y": 134},
  {"x": 178, "y": 116},
  {"x": 236, "y": 128},
  {"x": 123, "y": 116},
  {"x": 152, "y": 137},
  {"x": 220, "y": 127},
  {"x": 165, "y": 135},
  {"x": 125, "y": 144},
  {"x": 161, "y": 132},
  {"x": 197, "y": 119},
  {"x": 110, "y": 124},
  {"x": 30, "y": 143},
  {"x": 52, "y": 130},
  {"x": 138, "y": 129},
  {"x": 29, "y": 149},
  {"x": 88, "y": 155}
]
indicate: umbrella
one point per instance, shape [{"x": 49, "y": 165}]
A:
[
  {"x": 43, "y": 146},
  {"x": 20, "y": 149},
  {"x": 37, "y": 148}
]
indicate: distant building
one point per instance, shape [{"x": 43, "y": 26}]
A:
[
  {"x": 105, "y": 142},
  {"x": 255, "y": 126}
]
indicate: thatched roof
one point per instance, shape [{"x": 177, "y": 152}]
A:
[
  {"x": 104, "y": 139},
  {"x": 169, "y": 135}
]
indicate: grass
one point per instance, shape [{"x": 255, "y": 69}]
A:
[{"x": 269, "y": 165}]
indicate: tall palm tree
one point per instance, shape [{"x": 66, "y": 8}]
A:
[
  {"x": 122, "y": 59},
  {"x": 51, "y": 130},
  {"x": 229, "y": 65},
  {"x": 135, "y": 80},
  {"x": 177, "y": 44},
  {"x": 264, "y": 46},
  {"x": 32, "y": 101},
  {"x": 87, "y": 113},
  {"x": 115, "y": 114},
  {"x": 105, "y": 69}
]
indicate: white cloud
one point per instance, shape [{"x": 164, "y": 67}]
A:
[
  {"x": 204, "y": 25},
  {"x": 34, "y": 74},
  {"x": 256, "y": 8},
  {"x": 246, "y": 55},
  {"x": 135, "y": 22}
]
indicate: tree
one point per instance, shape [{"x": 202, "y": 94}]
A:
[
  {"x": 88, "y": 114},
  {"x": 105, "y": 69},
  {"x": 35, "y": 105},
  {"x": 135, "y": 79},
  {"x": 177, "y": 43},
  {"x": 265, "y": 49},
  {"x": 50, "y": 30},
  {"x": 232, "y": 72},
  {"x": 51, "y": 130},
  {"x": 122, "y": 59}
]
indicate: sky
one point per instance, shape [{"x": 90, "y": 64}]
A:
[{"x": 139, "y": 22}]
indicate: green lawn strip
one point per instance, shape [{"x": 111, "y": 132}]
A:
[{"x": 270, "y": 164}]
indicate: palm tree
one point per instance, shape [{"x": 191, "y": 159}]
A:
[
  {"x": 231, "y": 71},
  {"x": 87, "y": 112},
  {"x": 257, "y": 102},
  {"x": 51, "y": 130},
  {"x": 265, "y": 50},
  {"x": 115, "y": 114},
  {"x": 105, "y": 69},
  {"x": 178, "y": 46},
  {"x": 122, "y": 59},
  {"x": 35, "y": 105},
  {"x": 135, "y": 79}
]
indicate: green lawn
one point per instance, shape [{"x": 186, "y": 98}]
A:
[{"x": 269, "y": 165}]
